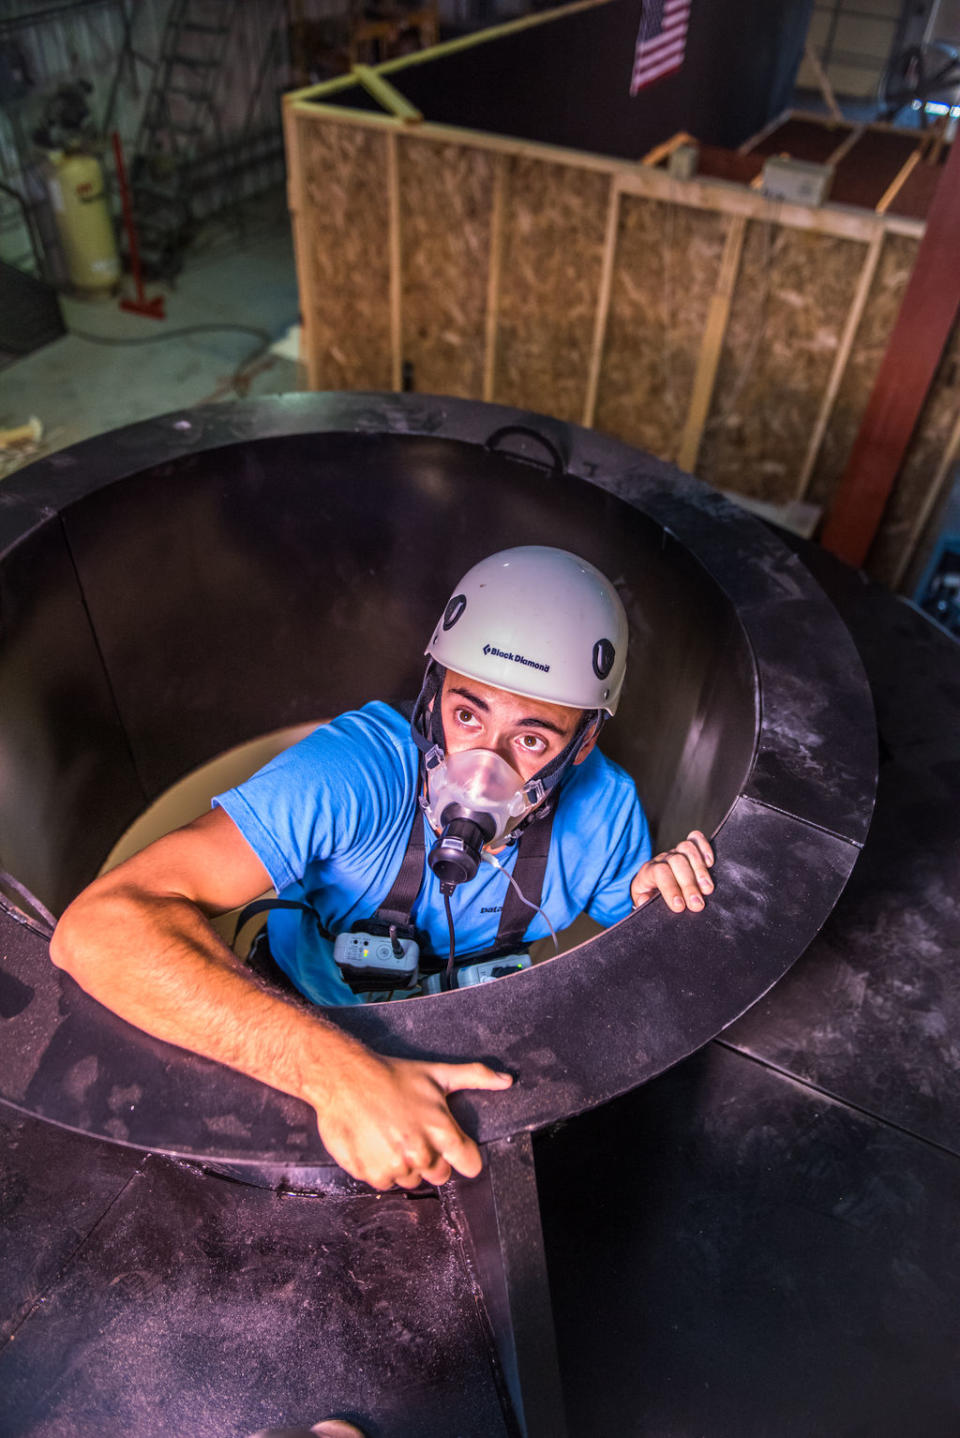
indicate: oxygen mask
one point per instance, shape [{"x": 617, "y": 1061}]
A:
[{"x": 474, "y": 798}]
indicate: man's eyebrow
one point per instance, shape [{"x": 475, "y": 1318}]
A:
[
  {"x": 473, "y": 699},
  {"x": 529, "y": 723}
]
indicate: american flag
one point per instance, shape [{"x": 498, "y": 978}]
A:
[{"x": 661, "y": 42}]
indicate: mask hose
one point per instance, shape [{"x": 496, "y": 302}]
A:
[
  {"x": 446, "y": 890},
  {"x": 492, "y": 859}
]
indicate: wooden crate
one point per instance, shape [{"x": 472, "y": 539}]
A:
[{"x": 734, "y": 334}]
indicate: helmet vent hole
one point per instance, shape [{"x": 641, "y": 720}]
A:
[
  {"x": 454, "y": 610},
  {"x": 603, "y": 657}
]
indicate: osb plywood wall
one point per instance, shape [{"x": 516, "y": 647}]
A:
[
  {"x": 552, "y": 248},
  {"x": 344, "y": 267},
  {"x": 666, "y": 264},
  {"x": 446, "y": 212},
  {"x": 487, "y": 269},
  {"x": 793, "y": 291}
]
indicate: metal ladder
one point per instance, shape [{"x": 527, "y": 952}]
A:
[{"x": 181, "y": 122}]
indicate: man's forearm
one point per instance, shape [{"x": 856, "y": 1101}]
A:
[
  {"x": 137, "y": 941},
  {"x": 157, "y": 963}
]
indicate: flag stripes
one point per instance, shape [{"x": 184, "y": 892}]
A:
[{"x": 661, "y": 41}]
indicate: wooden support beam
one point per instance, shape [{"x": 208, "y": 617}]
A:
[
  {"x": 327, "y": 87},
  {"x": 302, "y": 246},
  {"x": 899, "y": 180},
  {"x": 387, "y": 95},
  {"x": 768, "y": 129},
  {"x": 926, "y": 317},
  {"x": 724, "y": 197},
  {"x": 603, "y": 303},
  {"x": 396, "y": 266},
  {"x": 495, "y": 264},
  {"x": 826, "y": 89},
  {"x": 712, "y": 345},
  {"x": 666, "y": 149},
  {"x": 846, "y": 145},
  {"x": 844, "y": 348}
]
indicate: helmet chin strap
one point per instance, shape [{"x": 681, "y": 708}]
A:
[
  {"x": 426, "y": 722},
  {"x": 426, "y": 729}
]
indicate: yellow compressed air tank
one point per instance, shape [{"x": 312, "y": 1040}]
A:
[{"x": 83, "y": 220}]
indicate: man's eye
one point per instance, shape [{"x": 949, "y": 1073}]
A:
[
  {"x": 465, "y": 716},
  {"x": 533, "y": 742}
]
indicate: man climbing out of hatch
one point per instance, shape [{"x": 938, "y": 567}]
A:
[{"x": 403, "y": 838}]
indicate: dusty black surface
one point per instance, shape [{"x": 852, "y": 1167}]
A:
[
  {"x": 764, "y": 1241},
  {"x": 732, "y": 1254},
  {"x": 872, "y": 1012},
  {"x": 143, "y": 1298}
]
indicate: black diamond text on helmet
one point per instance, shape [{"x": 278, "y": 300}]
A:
[{"x": 516, "y": 658}]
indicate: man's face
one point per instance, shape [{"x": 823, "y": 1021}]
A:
[{"x": 527, "y": 733}]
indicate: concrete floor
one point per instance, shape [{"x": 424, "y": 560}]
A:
[{"x": 79, "y": 389}]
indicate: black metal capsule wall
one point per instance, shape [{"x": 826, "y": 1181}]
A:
[{"x": 174, "y": 589}]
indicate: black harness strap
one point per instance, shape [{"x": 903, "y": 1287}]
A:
[
  {"x": 533, "y": 848},
  {"x": 263, "y": 906},
  {"x": 396, "y": 907}
]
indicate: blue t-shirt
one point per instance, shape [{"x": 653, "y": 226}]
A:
[{"x": 329, "y": 820}]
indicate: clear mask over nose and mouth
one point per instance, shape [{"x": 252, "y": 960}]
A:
[{"x": 474, "y": 799}]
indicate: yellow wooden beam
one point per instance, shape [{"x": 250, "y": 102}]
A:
[
  {"x": 826, "y": 89},
  {"x": 844, "y": 350},
  {"x": 846, "y": 145},
  {"x": 603, "y": 303},
  {"x": 495, "y": 265},
  {"x": 326, "y": 87},
  {"x": 396, "y": 267},
  {"x": 723, "y": 197},
  {"x": 666, "y": 149},
  {"x": 710, "y": 350},
  {"x": 302, "y": 248},
  {"x": 387, "y": 95},
  {"x": 768, "y": 129},
  {"x": 899, "y": 180}
]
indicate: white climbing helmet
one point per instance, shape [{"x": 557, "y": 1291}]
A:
[{"x": 539, "y": 622}]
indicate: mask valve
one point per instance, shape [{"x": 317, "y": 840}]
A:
[
  {"x": 455, "y": 857},
  {"x": 474, "y": 798}
]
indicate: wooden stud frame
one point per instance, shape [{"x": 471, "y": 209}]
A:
[
  {"x": 403, "y": 125},
  {"x": 493, "y": 278},
  {"x": 396, "y": 267},
  {"x": 852, "y": 324},
  {"x": 713, "y": 335},
  {"x": 603, "y": 303}
]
